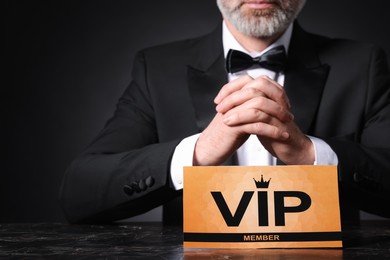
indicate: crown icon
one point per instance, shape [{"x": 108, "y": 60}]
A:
[{"x": 262, "y": 184}]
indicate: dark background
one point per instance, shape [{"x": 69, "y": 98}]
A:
[{"x": 67, "y": 62}]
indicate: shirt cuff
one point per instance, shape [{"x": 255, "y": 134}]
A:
[
  {"x": 182, "y": 156},
  {"x": 324, "y": 155}
]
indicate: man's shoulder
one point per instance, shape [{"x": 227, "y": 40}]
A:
[
  {"x": 340, "y": 53},
  {"x": 184, "y": 47},
  {"x": 328, "y": 44},
  {"x": 347, "y": 54},
  {"x": 338, "y": 45}
]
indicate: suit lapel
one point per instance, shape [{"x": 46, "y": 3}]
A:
[
  {"x": 305, "y": 79},
  {"x": 206, "y": 75}
]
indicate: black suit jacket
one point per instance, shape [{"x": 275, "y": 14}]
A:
[{"x": 339, "y": 91}]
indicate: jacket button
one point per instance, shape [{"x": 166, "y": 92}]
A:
[
  {"x": 135, "y": 187},
  {"x": 128, "y": 190},
  {"x": 142, "y": 185},
  {"x": 149, "y": 181}
]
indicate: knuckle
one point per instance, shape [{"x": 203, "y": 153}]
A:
[
  {"x": 258, "y": 128},
  {"x": 224, "y": 91},
  {"x": 262, "y": 80},
  {"x": 250, "y": 91},
  {"x": 282, "y": 112},
  {"x": 246, "y": 79},
  {"x": 256, "y": 113},
  {"x": 280, "y": 95},
  {"x": 260, "y": 115},
  {"x": 261, "y": 102},
  {"x": 234, "y": 118},
  {"x": 256, "y": 84},
  {"x": 275, "y": 132}
]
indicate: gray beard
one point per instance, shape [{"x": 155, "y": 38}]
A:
[{"x": 259, "y": 25}]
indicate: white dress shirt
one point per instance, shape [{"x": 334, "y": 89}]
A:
[{"x": 252, "y": 151}]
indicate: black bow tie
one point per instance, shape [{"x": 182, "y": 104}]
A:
[{"x": 274, "y": 59}]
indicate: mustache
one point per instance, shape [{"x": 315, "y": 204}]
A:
[
  {"x": 277, "y": 3},
  {"x": 286, "y": 6}
]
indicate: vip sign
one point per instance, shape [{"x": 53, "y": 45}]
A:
[{"x": 261, "y": 207}]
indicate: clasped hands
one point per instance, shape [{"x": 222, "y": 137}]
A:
[{"x": 248, "y": 106}]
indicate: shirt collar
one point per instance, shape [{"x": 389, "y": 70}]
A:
[{"x": 229, "y": 42}]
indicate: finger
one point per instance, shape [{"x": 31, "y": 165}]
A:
[
  {"x": 253, "y": 110},
  {"x": 238, "y": 98},
  {"x": 231, "y": 87},
  {"x": 247, "y": 116},
  {"x": 266, "y": 130},
  {"x": 271, "y": 89}
]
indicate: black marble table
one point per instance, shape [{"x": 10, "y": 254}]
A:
[{"x": 371, "y": 240}]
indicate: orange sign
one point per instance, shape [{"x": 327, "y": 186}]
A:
[{"x": 261, "y": 207}]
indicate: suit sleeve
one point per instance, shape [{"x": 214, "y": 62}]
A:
[
  {"x": 364, "y": 157},
  {"x": 125, "y": 170}
]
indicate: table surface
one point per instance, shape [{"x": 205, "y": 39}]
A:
[{"x": 371, "y": 240}]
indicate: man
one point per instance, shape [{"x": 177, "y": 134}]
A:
[{"x": 328, "y": 103}]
